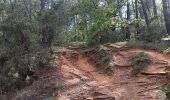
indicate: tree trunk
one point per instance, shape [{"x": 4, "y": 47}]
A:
[
  {"x": 128, "y": 10},
  {"x": 141, "y": 12},
  {"x": 128, "y": 18},
  {"x": 137, "y": 15},
  {"x": 42, "y": 4},
  {"x": 119, "y": 8},
  {"x": 16, "y": 12},
  {"x": 166, "y": 11},
  {"x": 154, "y": 8},
  {"x": 148, "y": 5},
  {"x": 136, "y": 9},
  {"x": 52, "y": 4},
  {"x": 27, "y": 4},
  {"x": 133, "y": 6},
  {"x": 145, "y": 13}
]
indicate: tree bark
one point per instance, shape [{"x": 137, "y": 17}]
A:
[
  {"x": 42, "y": 4},
  {"x": 136, "y": 9},
  {"x": 16, "y": 12},
  {"x": 145, "y": 13},
  {"x": 52, "y": 4},
  {"x": 137, "y": 15},
  {"x": 128, "y": 18},
  {"x": 148, "y": 4},
  {"x": 133, "y": 6},
  {"x": 27, "y": 4},
  {"x": 119, "y": 8},
  {"x": 128, "y": 10},
  {"x": 166, "y": 11},
  {"x": 154, "y": 8},
  {"x": 141, "y": 12}
]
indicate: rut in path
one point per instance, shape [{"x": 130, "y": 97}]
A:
[{"x": 84, "y": 80}]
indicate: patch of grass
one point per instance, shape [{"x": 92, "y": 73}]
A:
[
  {"x": 50, "y": 98},
  {"x": 167, "y": 50},
  {"x": 166, "y": 90},
  {"x": 139, "y": 61}
]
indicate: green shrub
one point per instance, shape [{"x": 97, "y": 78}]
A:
[
  {"x": 20, "y": 53},
  {"x": 153, "y": 33},
  {"x": 166, "y": 90},
  {"x": 167, "y": 50},
  {"x": 43, "y": 57},
  {"x": 139, "y": 62},
  {"x": 155, "y": 46}
]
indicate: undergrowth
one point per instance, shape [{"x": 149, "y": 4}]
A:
[
  {"x": 167, "y": 50},
  {"x": 147, "y": 45},
  {"x": 166, "y": 90},
  {"x": 139, "y": 61}
]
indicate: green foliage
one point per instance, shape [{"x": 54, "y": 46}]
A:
[
  {"x": 151, "y": 45},
  {"x": 166, "y": 90},
  {"x": 139, "y": 62},
  {"x": 96, "y": 20},
  {"x": 167, "y": 50},
  {"x": 152, "y": 34},
  {"x": 43, "y": 57},
  {"x": 25, "y": 43},
  {"x": 19, "y": 45}
]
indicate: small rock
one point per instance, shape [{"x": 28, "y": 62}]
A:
[
  {"x": 84, "y": 77},
  {"x": 92, "y": 83},
  {"x": 72, "y": 81}
]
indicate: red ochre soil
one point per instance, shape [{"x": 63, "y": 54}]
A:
[{"x": 83, "y": 81}]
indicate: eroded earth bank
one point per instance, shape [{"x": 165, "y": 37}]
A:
[{"x": 82, "y": 79}]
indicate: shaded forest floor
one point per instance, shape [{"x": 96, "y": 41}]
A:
[{"x": 73, "y": 77}]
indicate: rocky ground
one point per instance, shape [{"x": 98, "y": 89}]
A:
[{"x": 74, "y": 77}]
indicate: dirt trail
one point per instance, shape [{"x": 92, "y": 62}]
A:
[{"x": 83, "y": 80}]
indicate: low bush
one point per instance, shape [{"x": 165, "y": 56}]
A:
[
  {"x": 153, "y": 33},
  {"x": 20, "y": 53},
  {"x": 155, "y": 46},
  {"x": 166, "y": 90},
  {"x": 167, "y": 50},
  {"x": 139, "y": 61}
]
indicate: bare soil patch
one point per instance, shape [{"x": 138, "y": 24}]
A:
[{"x": 79, "y": 78}]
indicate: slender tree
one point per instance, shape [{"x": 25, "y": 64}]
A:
[
  {"x": 27, "y": 4},
  {"x": 154, "y": 8},
  {"x": 119, "y": 7},
  {"x": 137, "y": 15},
  {"x": 128, "y": 10},
  {"x": 43, "y": 4},
  {"x": 141, "y": 12},
  {"x": 128, "y": 18},
  {"x": 136, "y": 9},
  {"x": 145, "y": 13},
  {"x": 166, "y": 11},
  {"x": 148, "y": 5}
]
